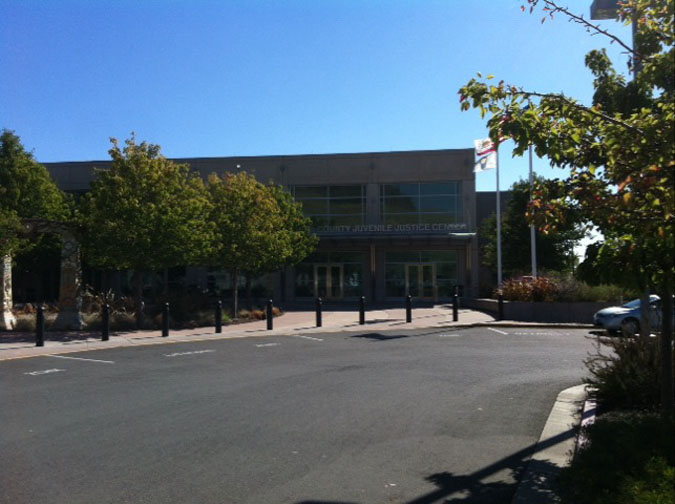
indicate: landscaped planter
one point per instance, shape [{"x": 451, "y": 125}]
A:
[{"x": 524, "y": 311}]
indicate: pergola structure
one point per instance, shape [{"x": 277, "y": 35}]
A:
[{"x": 70, "y": 301}]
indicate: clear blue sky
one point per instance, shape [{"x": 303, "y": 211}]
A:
[{"x": 253, "y": 77}]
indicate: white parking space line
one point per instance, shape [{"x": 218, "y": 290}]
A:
[
  {"x": 496, "y": 330},
  {"x": 80, "y": 358},
  {"x": 267, "y": 344},
  {"x": 456, "y": 335},
  {"x": 177, "y": 354},
  {"x": 44, "y": 371},
  {"x": 549, "y": 333},
  {"x": 307, "y": 337}
]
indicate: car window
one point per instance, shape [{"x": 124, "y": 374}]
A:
[{"x": 635, "y": 303}]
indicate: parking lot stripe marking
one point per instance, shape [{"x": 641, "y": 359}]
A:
[
  {"x": 176, "y": 354},
  {"x": 81, "y": 358},
  {"x": 267, "y": 344},
  {"x": 497, "y": 330},
  {"x": 306, "y": 337},
  {"x": 44, "y": 371}
]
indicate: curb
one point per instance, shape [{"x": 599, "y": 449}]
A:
[{"x": 554, "y": 450}]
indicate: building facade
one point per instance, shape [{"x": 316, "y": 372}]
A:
[{"x": 390, "y": 223}]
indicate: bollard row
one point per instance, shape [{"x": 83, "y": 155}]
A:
[{"x": 269, "y": 315}]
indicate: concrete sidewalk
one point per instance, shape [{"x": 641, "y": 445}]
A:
[{"x": 20, "y": 345}]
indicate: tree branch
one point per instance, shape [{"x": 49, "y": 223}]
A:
[
  {"x": 583, "y": 108},
  {"x": 582, "y": 21}
]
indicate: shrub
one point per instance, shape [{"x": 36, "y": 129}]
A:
[
  {"x": 629, "y": 458},
  {"x": 25, "y": 323},
  {"x": 543, "y": 289},
  {"x": 516, "y": 290},
  {"x": 92, "y": 321},
  {"x": 557, "y": 287},
  {"x": 627, "y": 377},
  {"x": 93, "y": 301},
  {"x": 122, "y": 322},
  {"x": 185, "y": 303}
]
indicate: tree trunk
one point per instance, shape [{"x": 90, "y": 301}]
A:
[
  {"x": 138, "y": 297},
  {"x": 666, "y": 352},
  {"x": 249, "y": 300},
  {"x": 645, "y": 325},
  {"x": 166, "y": 283},
  {"x": 235, "y": 293}
]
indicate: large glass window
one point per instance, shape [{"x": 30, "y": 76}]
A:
[
  {"x": 424, "y": 203},
  {"x": 330, "y": 206}
]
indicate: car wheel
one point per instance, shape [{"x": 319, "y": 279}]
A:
[{"x": 630, "y": 327}]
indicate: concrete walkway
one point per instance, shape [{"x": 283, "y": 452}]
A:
[{"x": 21, "y": 345}]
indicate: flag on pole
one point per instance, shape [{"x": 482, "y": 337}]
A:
[{"x": 486, "y": 155}]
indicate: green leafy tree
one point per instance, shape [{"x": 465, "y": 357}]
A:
[
  {"x": 555, "y": 251},
  {"x": 259, "y": 228},
  {"x": 27, "y": 191},
  {"x": 145, "y": 213},
  {"x": 619, "y": 150}
]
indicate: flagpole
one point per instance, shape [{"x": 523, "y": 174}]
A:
[
  {"x": 533, "y": 240},
  {"x": 499, "y": 225}
]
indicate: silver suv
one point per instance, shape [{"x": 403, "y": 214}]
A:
[{"x": 626, "y": 318}]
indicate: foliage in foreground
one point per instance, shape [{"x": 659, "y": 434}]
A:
[
  {"x": 620, "y": 151},
  {"x": 626, "y": 376},
  {"x": 629, "y": 460}
]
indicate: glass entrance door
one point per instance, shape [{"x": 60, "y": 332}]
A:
[
  {"x": 328, "y": 281},
  {"x": 420, "y": 281}
]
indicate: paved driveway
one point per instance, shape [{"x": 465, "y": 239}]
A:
[{"x": 419, "y": 416}]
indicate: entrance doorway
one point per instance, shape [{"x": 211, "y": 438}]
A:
[
  {"x": 329, "y": 281},
  {"x": 420, "y": 281}
]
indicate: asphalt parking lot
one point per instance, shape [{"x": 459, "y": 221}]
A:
[{"x": 416, "y": 416}]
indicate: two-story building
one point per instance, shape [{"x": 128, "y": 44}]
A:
[{"x": 390, "y": 223}]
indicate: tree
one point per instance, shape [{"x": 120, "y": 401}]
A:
[
  {"x": 294, "y": 236},
  {"x": 554, "y": 250},
  {"x": 259, "y": 228},
  {"x": 27, "y": 191},
  {"x": 619, "y": 150},
  {"x": 145, "y": 213}
]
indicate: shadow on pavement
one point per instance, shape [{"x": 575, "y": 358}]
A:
[
  {"x": 469, "y": 489},
  {"x": 379, "y": 337}
]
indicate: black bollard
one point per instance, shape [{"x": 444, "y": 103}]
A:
[
  {"x": 140, "y": 321},
  {"x": 105, "y": 323},
  {"x": 408, "y": 309},
  {"x": 500, "y": 306},
  {"x": 219, "y": 317},
  {"x": 270, "y": 315},
  {"x": 362, "y": 310},
  {"x": 165, "y": 320},
  {"x": 455, "y": 306},
  {"x": 319, "y": 322},
  {"x": 40, "y": 327}
]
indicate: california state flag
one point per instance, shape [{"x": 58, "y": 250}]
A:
[{"x": 486, "y": 155}]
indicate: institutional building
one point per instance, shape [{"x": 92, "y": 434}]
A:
[{"x": 390, "y": 223}]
